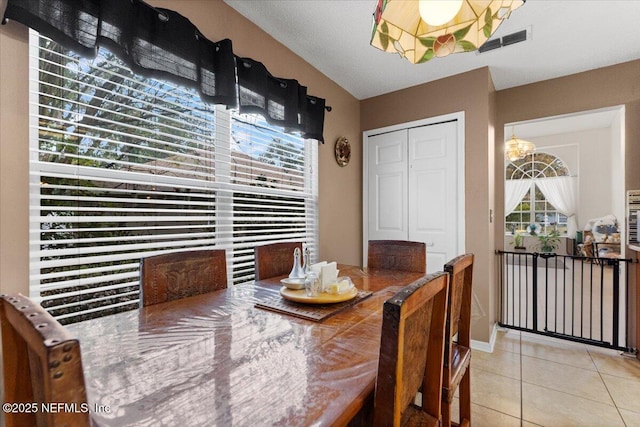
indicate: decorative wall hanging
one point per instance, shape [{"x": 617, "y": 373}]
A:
[{"x": 343, "y": 151}]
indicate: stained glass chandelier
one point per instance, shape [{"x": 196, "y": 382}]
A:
[{"x": 420, "y": 30}]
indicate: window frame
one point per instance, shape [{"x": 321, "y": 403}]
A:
[
  {"x": 554, "y": 167},
  {"x": 239, "y": 249}
]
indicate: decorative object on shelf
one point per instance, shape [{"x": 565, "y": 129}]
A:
[
  {"x": 516, "y": 148},
  {"x": 517, "y": 242},
  {"x": 424, "y": 29},
  {"x": 603, "y": 228},
  {"x": 533, "y": 229},
  {"x": 343, "y": 151},
  {"x": 549, "y": 242}
]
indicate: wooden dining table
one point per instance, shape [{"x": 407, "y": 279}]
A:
[{"x": 217, "y": 359}]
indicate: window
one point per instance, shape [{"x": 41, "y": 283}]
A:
[
  {"x": 124, "y": 167},
  {"x": 534, "y": 206}
]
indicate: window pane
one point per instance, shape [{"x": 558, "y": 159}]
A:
[
  {"x": 126, "y": 167},
  {"x": 537, "y": 166}
]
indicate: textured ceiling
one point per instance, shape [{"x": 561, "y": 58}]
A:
[{"x": 566, "y": 37}]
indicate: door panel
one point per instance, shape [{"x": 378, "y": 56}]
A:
[
  {"x": 388, "y": 208},
  {"x": 433, "y": 191},
  {"x": 412, "y": 189},
  {"x": 387, "y": 194},
  {"x": 429, "y": 193}
]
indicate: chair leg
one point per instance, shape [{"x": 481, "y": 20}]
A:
[
  {"x": 465, "y": 398},
  {"x": 446, "y": 413}
]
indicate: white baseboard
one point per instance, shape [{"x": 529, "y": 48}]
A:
[{"x": 487, "y": 347}]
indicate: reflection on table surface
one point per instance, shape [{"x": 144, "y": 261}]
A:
[{"x": 215, "y": 359}]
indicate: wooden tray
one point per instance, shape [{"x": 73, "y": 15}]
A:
[
  {"x": 315, "y": 312},
  {"x": 300, "y": 295}
]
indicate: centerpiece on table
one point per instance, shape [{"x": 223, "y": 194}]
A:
[{"x": 316, "y": 283}]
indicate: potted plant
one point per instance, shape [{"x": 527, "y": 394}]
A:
[
  {"x": 549, "y": 242},
  {"x": 517, "y": 242}
]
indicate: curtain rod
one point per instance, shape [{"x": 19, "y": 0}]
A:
[{"x": 162, "y": 43}]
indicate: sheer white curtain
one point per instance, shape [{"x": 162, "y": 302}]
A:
[
  {"x": 561, "y": 192},
  {"x": 514, "y": 191}
]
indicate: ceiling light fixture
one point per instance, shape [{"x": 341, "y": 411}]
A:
[
  {"x": 516, "y": 148},
  {"x": 420, "y": 30},
  {"x": 438, "y": 12}
]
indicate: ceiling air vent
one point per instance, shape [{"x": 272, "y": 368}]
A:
[{"x": 512, "y": 38}]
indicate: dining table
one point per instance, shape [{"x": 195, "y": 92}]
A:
[{"x": 219, "y": 359}]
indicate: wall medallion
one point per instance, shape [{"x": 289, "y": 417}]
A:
[{"x": 343, "y": 151}]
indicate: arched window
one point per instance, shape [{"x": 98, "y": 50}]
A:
[{"x": 534, "y": 207}]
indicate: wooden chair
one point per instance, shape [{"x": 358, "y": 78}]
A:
[
  {"x": 411, "y": 354},
  {"x": 177, "y": 275},
  {"x": 397, "y": 255},
  {"x": 42, "y": 365},
  {"x": 275, "y": 259},
  {"x": 457, "y": 359}
]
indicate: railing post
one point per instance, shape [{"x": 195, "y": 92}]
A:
[
  {"x": 535, "y": 291},
  {"x": 616, "y": 301}
]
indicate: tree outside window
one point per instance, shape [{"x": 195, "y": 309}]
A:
[{"x": 124, "y": 167}]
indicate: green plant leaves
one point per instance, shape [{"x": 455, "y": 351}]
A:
[
  {"x": 488, "y": 23},
  {"x": 384, "y": 38}
]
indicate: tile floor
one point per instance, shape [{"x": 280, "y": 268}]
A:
[{"x": 533, "y": 380}]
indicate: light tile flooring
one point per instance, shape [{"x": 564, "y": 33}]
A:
[{"x": 533, "y": 380}]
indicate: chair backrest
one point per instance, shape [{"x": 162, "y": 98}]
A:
[
  {"x": 460, "y": 270},
  {"x": 456, "y": 375},
  {"x": 42, "y": 366},
  {"x": 274, "y": 259},
  {"x": 397, "y": 255},
  {"x": 177, "y": 275},
  {"x": 411, "y": 350}
]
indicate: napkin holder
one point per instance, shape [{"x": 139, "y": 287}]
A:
[{"x": 327, "y": 272}]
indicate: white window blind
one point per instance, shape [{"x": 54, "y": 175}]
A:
[{"x": 123, "y": 167}]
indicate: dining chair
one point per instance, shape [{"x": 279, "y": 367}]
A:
[
  {"x": 275, "y": 259},
  {"x": 177, "y": 275},
  {"x": 457, "y": 352},
  {"x": 411, "y": 354},
  {"x": 42, "y": 367},
  {"x": 397, "y": 255}
]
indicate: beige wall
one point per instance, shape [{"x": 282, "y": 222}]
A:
[
  {"x": 340, "y": 187},
  {"x": 486, "y": 112},
  {"x": 14, "y": 170},
  {"x": 471, "y": 93},
  {"x": 604, "y": 87}
]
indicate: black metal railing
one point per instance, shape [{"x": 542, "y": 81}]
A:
[{"x": 577, "y": 298}]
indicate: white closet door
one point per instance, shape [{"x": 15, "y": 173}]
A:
[
  {"x": 387, "y": 180},
  {"x": 433, "y": 191}
]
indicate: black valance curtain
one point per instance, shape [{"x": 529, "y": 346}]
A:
[{"x": 162, "y": 43}]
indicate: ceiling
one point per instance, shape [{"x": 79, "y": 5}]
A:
[{"x": 565, "y": 37}]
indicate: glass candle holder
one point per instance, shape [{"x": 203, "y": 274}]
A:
[{"x": 312, "y": 284}]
